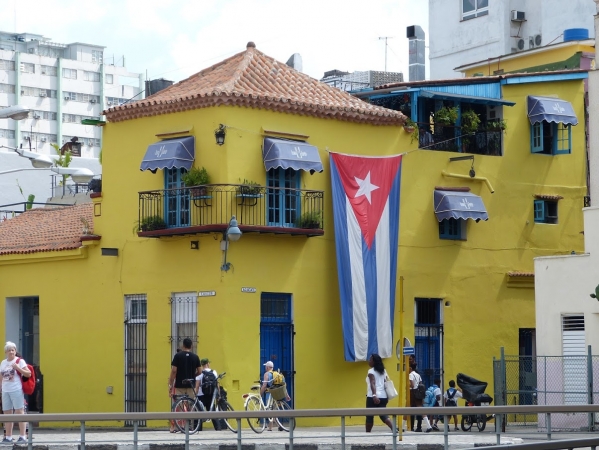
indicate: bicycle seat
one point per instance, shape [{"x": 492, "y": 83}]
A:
[{"x": 255, "y": 387}]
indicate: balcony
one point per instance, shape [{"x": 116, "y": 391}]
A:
[
  {"x": 208, "y": 209},
  {"x": 446, "y": 139}
]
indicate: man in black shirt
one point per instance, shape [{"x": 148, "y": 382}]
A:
[{"x": 185, "y": 365}]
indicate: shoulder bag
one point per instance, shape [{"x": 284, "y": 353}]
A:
[{"x": 389, "y": 387}]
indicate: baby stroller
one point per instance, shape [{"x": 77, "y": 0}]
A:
[{"x": 473, "y": 392}]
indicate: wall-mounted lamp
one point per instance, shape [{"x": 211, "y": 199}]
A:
[
  {"x": 219, "y": 134},
  {"x": 233, "y": 233}
]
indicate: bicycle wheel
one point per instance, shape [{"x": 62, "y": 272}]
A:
[
  {"x": 224, "y": 405},
  {"x": 466, "y": 423},
  {"x": 186, "y": 405},
  {"x": 256, "y": 424},
  {"x": 284, "y": 422},
  {"x": 481, "y": 422}
]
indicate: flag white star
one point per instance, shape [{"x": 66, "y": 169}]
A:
[{"x": 365, "y": 187}]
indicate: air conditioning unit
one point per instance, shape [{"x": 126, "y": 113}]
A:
[
  {"x": 43, "y": 139},
  {"x": 67, "y": 97},
  {"x": 535, "y": 41},
  {"x": 520, "y": 44},
  {"x": 93, "y": 100},
  {"x": 43, "y": 94},
  {"x": 35, "y": 116},
  {"x": 43, "y": 72},
  {"x": 518, "y": 16}
]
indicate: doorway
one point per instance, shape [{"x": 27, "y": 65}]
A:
[
  {"x": 428, "y": 332},
  {"x": 276, "y": 336}
]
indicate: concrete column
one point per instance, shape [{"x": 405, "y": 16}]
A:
[
  {"x": 17, "y": 96},
  {"x": 59, "y": 101}
]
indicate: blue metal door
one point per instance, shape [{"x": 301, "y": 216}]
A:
[
  {"x": 283, "y": 197},
  {"x": 176, "y": 199},
  {"x": 276, "y": 336},
  {"x": 428, "y": 332}
]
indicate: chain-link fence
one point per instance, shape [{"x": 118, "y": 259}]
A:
[{"x": 548, "y": 380}]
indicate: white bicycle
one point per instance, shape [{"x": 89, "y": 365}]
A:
[{"x": 253, "y": 402}]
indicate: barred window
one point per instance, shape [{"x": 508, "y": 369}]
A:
[
  {"x": 69, "y": 73},
  {"x": 8, "y": 134},
  {"x": 91, "y": 76},
  {"x": 6, "y": 64},
  {"x": 27, "y": 67},
  {"x": 48, "y": 70},
  {"x": 184, "y": 319},
  {"x": 7, "y": 88}
]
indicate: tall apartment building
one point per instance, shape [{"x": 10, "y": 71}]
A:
[
  {"x": 468, "y": 31},
  {"x": 62, "y": 84},
  {"x": 353, "y": 81}
]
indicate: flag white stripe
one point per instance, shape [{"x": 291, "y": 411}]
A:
[
  {"x": 360, "y": 315},
  {"x": 383, "y": 285}
]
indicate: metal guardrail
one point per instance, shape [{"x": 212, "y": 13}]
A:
[
  {"x": 395, "y": 413},
  {"x": 257, "y": 208}
]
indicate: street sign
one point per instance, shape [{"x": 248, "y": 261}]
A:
[
  {"x": 206, "y": 293},
  {"x": 249, "y": 290},
  {"x": 409, "y": 351}
]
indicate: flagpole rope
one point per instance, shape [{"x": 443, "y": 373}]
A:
[{"x": 326, "y": 148}]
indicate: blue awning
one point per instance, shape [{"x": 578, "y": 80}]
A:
[
  {"x": 295, "y": 155},
  {"x": 459, "y": 205},
  {"x": 551, "y": 109},
  {"x": 169, "y": 154},
  {"x": 465, "y": 98}
]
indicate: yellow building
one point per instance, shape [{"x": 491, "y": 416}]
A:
[{"x": 111, "y": 303}]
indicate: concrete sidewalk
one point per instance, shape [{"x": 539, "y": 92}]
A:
[{"x": 303, "y": 439}]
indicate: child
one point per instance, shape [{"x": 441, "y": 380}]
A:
[{"x": 451, "y": 399}]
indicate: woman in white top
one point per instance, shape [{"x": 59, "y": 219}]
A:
[
  {"x": 376, "y": 397},
  {"x": 13, "y": 399}
]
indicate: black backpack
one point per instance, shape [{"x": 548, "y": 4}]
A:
[
  {"x": 208, "y": 382},
  {"x": 420, "y": 391},
  {"x": 451, "y": 401}
]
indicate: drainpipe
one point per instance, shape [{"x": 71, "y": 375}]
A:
[{"x": 467, "y": 177}]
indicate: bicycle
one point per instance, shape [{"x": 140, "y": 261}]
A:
[
  {"x": 187, "y": 404},
  {"x": 253, "y": 402}
]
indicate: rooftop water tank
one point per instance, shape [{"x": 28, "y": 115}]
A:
[{"x": 576, "y": 34}]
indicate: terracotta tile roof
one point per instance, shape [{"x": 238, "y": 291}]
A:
[
  {"x": 255, "y": 80},
  {"x": 45, "y": 229},
  {"x": 516, "y": 273},
  {"x": 548, "y": 197}
]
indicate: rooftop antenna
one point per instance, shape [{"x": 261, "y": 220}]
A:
[{"x": 385, "y": 38}]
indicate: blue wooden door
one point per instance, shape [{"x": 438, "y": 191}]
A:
[
  {"x": 276, "y": 336},
  {"x": 283, "y": 197},
  {"x": 176, "y": 199},
  {"x": 428, "y": 332}
]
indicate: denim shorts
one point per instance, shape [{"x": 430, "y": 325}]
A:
[{"x": 13, "y": 400}]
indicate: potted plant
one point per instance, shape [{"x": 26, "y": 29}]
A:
[
  {"x": 497, "y": 125},
  {"x": 196, "y": 177},
  {"x": 411, "y": 127},
  {"x": 470, "y": 122},
  {"x": 249, "y": 188},
  {"x": 447, "y": 115},
  {"x": 309, "y": 220},
  {"x": 152, "y": 223}
]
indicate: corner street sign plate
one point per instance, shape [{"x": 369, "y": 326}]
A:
[
  {"x": 249, "y": 290},
  {"x": 206, "y": 293},
  {"x": 409, "y": 351}
]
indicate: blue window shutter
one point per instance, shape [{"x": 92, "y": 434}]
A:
[
  {"x": 539, "y": 211},
  {"x": 536, "y": 137},
  {"x": 563, "y": 139}
]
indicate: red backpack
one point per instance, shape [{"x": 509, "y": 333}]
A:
[{"x": 28, "y": 382}]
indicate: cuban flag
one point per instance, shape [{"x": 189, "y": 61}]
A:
[{"x": 366, "y": 214}]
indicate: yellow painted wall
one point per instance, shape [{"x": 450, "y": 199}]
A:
[
  {"x": 82, "y": 300},
  {"x": 530, "y": 58}
]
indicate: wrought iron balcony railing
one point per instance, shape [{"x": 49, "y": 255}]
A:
[
  {"x": 207, "y": 209},
  {"x": 447, "y": 139}
]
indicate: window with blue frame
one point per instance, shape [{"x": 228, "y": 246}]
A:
[
  {"x": 452, "y": 229},
  {"x": 474, "y": 8},
  {"x": 545, "y": 211},
  {"x": 283, "y": 197},
  {"x": 549, "y": 138},
  {"x": 176, "y": 199}
]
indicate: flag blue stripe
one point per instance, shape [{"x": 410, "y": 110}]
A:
[
  {"x": 394, "y": 199},
  {"x": 369, "y": 260},
  {"x": 343, "y": 261}
]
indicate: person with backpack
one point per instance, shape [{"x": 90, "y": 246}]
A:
[
  {"x": 206, "y": 384},
  {"x": 376, "y": 396},
  {"x": 451, "y": 399},
  {"x": 436, "y": 402},
  {"x": 13, "y": 398},
  {"x": 417, "y": 394}
]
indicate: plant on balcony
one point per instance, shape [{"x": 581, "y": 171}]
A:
[
  {"x": 497, "y": 125},
  {"x": 446, "y": 115},
  {"x": 151, "y": 223},
  {"x": 308, "y": 220},
  {"x": 196, "y": 177},
  {"x": 470, "y": 124},
  {"x": 411, "y": 128},
  {"x": 249, "y": 188}
]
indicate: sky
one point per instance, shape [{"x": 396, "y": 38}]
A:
[{"x": 174, "y": 39}]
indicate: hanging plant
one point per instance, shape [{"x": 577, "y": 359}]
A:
[
  {"x": 447, "y": 115},
  {"x": 411, "y": 128}
]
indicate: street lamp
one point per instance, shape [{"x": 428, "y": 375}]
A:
[
  {"x": 16, "y": 112},
  {"x": 233, "y": 233}
]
